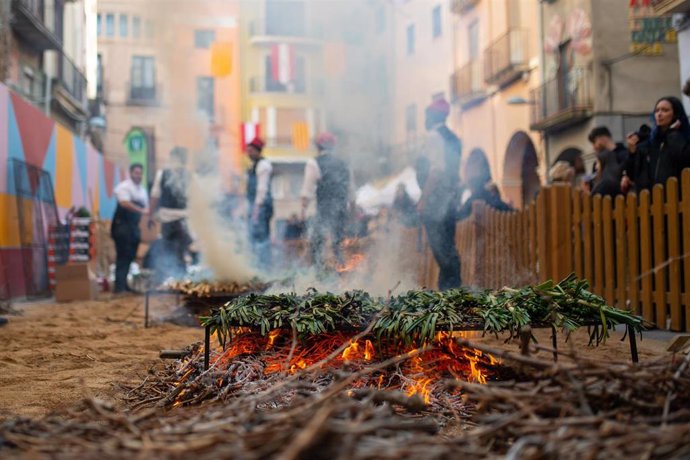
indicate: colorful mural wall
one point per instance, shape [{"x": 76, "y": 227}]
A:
[{"x": 80, "y": 177}]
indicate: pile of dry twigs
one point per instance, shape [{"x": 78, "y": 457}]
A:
[{"x": 576, "y": 408}]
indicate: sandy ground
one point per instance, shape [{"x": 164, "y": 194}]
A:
[{"x": 55, "y": 354}]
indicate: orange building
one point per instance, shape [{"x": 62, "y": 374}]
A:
[{"x": 158, "y": 83}]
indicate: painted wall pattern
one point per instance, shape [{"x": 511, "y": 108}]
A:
[{"x": 80, "y": 174}]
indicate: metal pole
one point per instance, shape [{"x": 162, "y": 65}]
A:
[
  {"x": 146, "y": 309},
  {"x": 633, "y": 345},
  {"x": 207, "y": 347}
]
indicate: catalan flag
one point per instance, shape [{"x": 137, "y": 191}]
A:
[{"x": 300, "y": 136}]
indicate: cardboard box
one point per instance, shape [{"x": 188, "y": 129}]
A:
[{"x": 75, "y": 282}]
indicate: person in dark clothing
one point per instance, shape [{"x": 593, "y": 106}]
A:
[
  {"x": 488, "y": 193},
  {"x": 611, "y": 159},
  {"x": 260, "y": 203},
  {"x": 326, "y": 179},
  {"x": 169, "y": 200},
  {"x": 294, "y": 228},
  {"x": 440, "y": 182},
  {"x": 404, "y": 207},
  {"x": 132, "y": 203},
  {"x": 665, "y": 154}
]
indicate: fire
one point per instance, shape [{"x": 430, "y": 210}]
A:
[
  {"x": 422, "y": 373},
  {"x": 353, "y": 352},
  {"x": 272, "y": 336},
  {"x": 351, "y": 264}
]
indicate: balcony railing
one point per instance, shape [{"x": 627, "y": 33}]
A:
[
  {"x": 28, "y": 21},
  {"x": 72, "y": 80},
  {"x": 462, "y": 6},
  {"x": 300, "y": 87},
  {"x": 143, "y": 95},
  {"x": 262, "y": 28},
  {"x": 31, "y": 85},
  {"x": 563, "y": 101},
  {"x": 664, "y": 7},
  {"x": 506, "y": 58},
  {"x": 467, "y": 83}
]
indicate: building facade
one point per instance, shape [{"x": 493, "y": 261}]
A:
[
  {"x": 593, "y": 75},
  {"x": 169, "y": 80},
  {"x": 681, "y": 10},
  {"x": 423, "y": 62},
  {"x": 45, "y": 49},
  {"x": 496, "y": 62}
]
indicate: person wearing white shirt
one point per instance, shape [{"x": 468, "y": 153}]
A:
[
  {"x": 260, "y": 203},
  {"x": 169, "y": 200},
  {"x": 326, "y": 180},
  {"x": 132, "y": 203}
]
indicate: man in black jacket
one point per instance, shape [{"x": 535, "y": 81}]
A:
[
  {"x": 612, "y": 158},
  {"x": 438, "y": 175}
]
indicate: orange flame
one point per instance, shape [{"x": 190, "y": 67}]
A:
[
  {"x": 299, "y": 365},
  {"x": 351, "y": 264},
  {"x": 368, "y": 350},
  {"x": 351, "y": 352},
  {"x": 272, "y": 336}
]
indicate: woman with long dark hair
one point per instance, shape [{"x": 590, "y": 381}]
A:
[{"x": 667, "y": 151}]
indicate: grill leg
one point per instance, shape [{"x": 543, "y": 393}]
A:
[
  {"x": 207, "y": 347},
  {"x": 146, "y": 308},
  {"x": 633, "y": 345},
  {"x": 554, "y": 342}
]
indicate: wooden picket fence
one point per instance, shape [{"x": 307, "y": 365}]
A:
[{"x": 634, "y": 250}]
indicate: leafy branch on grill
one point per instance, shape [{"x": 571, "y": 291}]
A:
[{"x": 417, "y": 316}]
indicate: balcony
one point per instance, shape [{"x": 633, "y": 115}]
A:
[
  {"x": 28, "y": 21},
  {"x": 262, "y": 31},
  {"x": 563, "y": 101},
  {"x": 147, "y": 96},
  {"x": 665, "y": 7},
  {"x": 258, "y": 85},
  {"x": 31, "y": 85},
  {"x": 505, "y": 60},
  {"x": 467, "y": 84},
  {"x": 462, "y": 6}
]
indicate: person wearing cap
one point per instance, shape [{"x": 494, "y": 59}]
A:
[
  {"x": 327, "y": 180},
  {"x": 438, "y": 174},
  {"x": 260, "y": 203},
  {"x": 169, "y": 201}
]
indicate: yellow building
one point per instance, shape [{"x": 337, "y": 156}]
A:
[
  {"x": 496, "y": 55},
  {"x": 285, "y": 108}
]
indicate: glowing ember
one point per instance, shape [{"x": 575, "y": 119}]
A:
[
  {"x": 351, "y": 264},
  {"x": 421, "y": 374}
]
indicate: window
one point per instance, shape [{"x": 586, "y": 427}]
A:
[
  {"x": 204, "y": 38},
  {"x": 136, "y": 26},
  {"x": 98, "y": 24},
  {"x": 110, "y": 25},
  {"x": 124, "y": 25},
  {"x": 286, "y": 18},
  {"x": 411, "y": 118},
  {"x": 410, "y": 39},
  {"x": 297, "y": 85},
  {"x": 205, "y": 95},
  {"x": 380, "y": 19},
  {"x": 473, "y": 41},
  {"x": 436, "y": 28},
  {"x": 143, "y": 84},
  {"x": 99, "y": 76}
]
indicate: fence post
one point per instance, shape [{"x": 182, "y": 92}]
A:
[
  {"x": 674, "y": 254},
  {"x": 478, "y": 260},
  {"x": 543, "y": 225},
  {"x": 560, "y": 232}
]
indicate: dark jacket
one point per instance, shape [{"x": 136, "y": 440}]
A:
[
  {"x": 487, "y": 197},
  {"x": 613, "y": 162},
  {"x": 658, "y": 159}
]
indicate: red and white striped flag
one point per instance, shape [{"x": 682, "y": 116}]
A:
[
  {"x": 283, "y": 63},
  {"x": 249, "y": 132}
]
